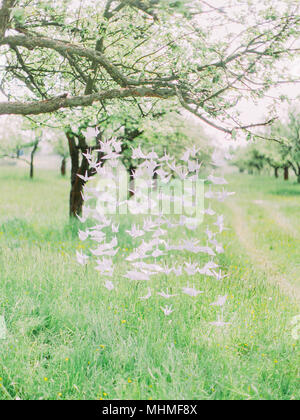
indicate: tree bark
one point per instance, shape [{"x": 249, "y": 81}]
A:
[
  {"x": 63, "y": 167},
  {"x": 33, "y": 151},
  {"x": 76, "y": 201},
  {"x": 5, "y": 9},
  {"x": 286, "y": 173},
  {"x": 298, "y": 174},
  {"x": 77, "y": 168},
  {"x": 276, "y": 170},
  {"x": 131, "y": 171}
]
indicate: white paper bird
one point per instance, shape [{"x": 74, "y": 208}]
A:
[
  {"x": 211, "y": 264},
  {"x": 158, "y": 253},
  {"x": 222, "y": 195},
  {"x": 219, "y": 275},
  {"x": 177, "y": 271},
  {"x": 182, "y": 173},
  {"x": 220, "y": 301},
  {"x": 84, "y": 177},
  {"x": 191, "y": 268},
  {"x": 194, "y": 166},
  {"x": 166, "y": 295},
  {"x": 161, "y": 173},
  {"x": 206, "y": 270},
  {"x": 110, "y": 252},
  {"x": 217, "y": 180},
  {"x": 191, "y": 291},
  {"x": 104, "y": 247},
  {"x": 81, "y": 258},
  {"x": 209, "y": 234},
  {"x": 152, "y": 155},
  {"x": 137, "y": 153},
  {"x": 83, "y": 235},
  {"x": 165, "y": 158},
  {"x": 97, "y": 235},
  {"x": 85, "y": 197},
  {"x": 82, "y": 219},
  {"x": 136, "y": 255},
  {"x": 93, "y": 162},
  {"x": 207, "y": 250},
  {"x": 117, "y": 145},
  {"x": 135, "y": 232},
  {"x": 148, "y": 267},
  {"x": 147, "y": 296},
  {"x": 209, "y": 211},
  {"x": 105, "y": 147},
  {"x": 105, "y": 266},
  {"x": 137, "y": 276},
  {"x": 166, "y": 269},
  {"x": 159, "y": 232},
  {"x": 220, "y": 322},
  {"x": 88, "y": 155},
  {"x": 194, "y": 151},
  {"x": 220, "y": 224},
  {"x": 109, "y": 285},
  {"x": 210, "y": 194},
  {"x": 167, "y": 310},
  {"x": 185, "y": 157},
  {"x": 115, "y": 228},
  {"x": 112, "y": 156},
  {"x": 219, "y": 249}
]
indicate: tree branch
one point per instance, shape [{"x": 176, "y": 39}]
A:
[
  {"x": 63, "y": 48},
  {"x": 56, "y": 103},
  {"x": 5, "y": 9}
]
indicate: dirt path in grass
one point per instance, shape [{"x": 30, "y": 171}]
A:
[
  {"x": 278, "y": 217},
  {"x": 246, "y": 239}
]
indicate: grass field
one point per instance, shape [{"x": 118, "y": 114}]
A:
[{"x": 70, "y": 338}]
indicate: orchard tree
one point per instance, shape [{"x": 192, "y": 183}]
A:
[
  {"x": 88, "y": 59},
  {"x": 256, "y": 159},
  {"x": 276, "y": 156},
  {"x": 289, "y": 147},
  {"x": 60, "y": 147},
  {"x": 17, "y": 139}
]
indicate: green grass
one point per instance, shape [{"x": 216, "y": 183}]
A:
[{"x": 70, "y": 338}]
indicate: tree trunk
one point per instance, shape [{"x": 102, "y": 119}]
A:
[
  {"x": 76, "y": 200},
  {"x": 276, "y": 170},
  {"x": 286, "y": 173},
  {"x": 33, "y": 151},
  {"x": 63, "y": 167},
  {"x": 77, "y": 184},
  {"x": 155, "y": 181},
  {"x": 131, "y": 171},
  {"x": 298, "y": 173}
]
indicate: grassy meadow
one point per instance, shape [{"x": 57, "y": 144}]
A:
[{"x": 68, "y": 337}]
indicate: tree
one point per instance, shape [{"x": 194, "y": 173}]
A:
[
  {"x": 138, "y": 53},
  {"x": 61, "y": 149},
  {"x": 97, "y": 54},
  {"x": 289, "y": 133},
  {"x": 276, "y": 157},
  {"x": 251, "y": 158},
  {"x": 16, "y": 139}
]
